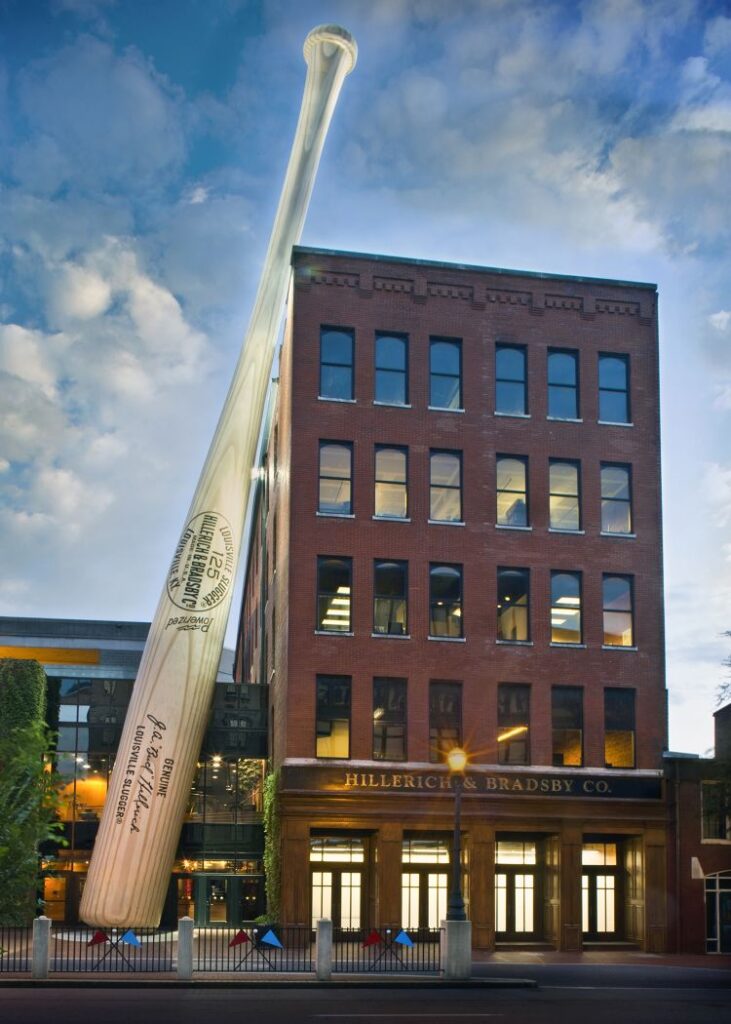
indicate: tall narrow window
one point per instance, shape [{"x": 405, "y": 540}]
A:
[
  {"x": 513, "y": 590},
  {"x": 564, "y": 500},
  {"x": 510, "y": 384},
  {"x": 336, "y": 469},
  {"x": 333, "y": 716},
  {"x": 512, "y": 490},
  {"x": 333, "y": 594},
  {"x": 567, "y": 713},
  {"x": 513, "y": 723},
  {"x": 619, "y": 728},
  {"x": 566, "y": 608},
  {"x": 617, "y": 605},
  {"x": 389, "y": 598},
  {"x": 389, "y": 719},
  {"x": 391, "y": 369},
  {"x": 445, "y": 600},
  {"x": 445, "y": 373},
  {"x": 563, "y": 384},
  {"x": 614, "y": 406},
  {"x": 336, "y": 364},
  {"x": 616, "y": 498},
  {"x": 391, "y": 492},
  {"x": 445, "y": 719},
  {"x": 445, "y": 487}
]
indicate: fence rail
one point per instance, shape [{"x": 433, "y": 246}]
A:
[
  {"x": 15, "y": 949},
  {"x": 78, "y": 948},
  {"x": 288, "y": 948},
  {"x": 387, "y": 950}
]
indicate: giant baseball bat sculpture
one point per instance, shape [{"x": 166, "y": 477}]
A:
[{"x": 150, "y": 785}]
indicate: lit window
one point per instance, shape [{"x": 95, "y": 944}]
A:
[
  {"x": 614, "y": 404},
  {"x": 564, "y": 501},
  {"x": 445, "y": 600},
  {"x": 617, "y": 604},
  {"x": 512, "y": 490},
  {"x": 391, "y": 373},
  {"x": 513, "y": 620},
  {"x": 336, "y": 364},
  {"x": 563, "y": 385},
  {"x": 513, "y": 721},
  {"x": 619, "y": 728},
  {"x": 445, "y": 719},
  {"x": 333, "y": 594},
  {"x": 389, "y": 719},
  {"x": 445, "y": 374},
  {"x": 389, "y": 598},
  {"x": 391, "y": 493},
  {"x": 567, "y": 712},
  {"x": 333, "y": 716},
  {"x": 616, "y": 498},
  {"x": 445, "y": 487},
  {"x": 566, "y": 607},
  {"x": 336, "y": 462},
  {"x": 510, "y": 380}
]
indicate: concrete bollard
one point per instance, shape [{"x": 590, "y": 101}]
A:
[
  {"x": 324, "y": 949},
  {"x": 456, "y": 949},
  {"x": 185, "y": 949},
  {"x": 41, "y": 947}
]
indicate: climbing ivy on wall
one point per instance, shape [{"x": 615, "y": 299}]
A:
[{"x": 272, "y": 845}]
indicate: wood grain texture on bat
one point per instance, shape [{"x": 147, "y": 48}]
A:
[{"x": 163, "y": 731}]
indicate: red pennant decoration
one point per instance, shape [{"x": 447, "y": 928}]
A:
[
  {"x": 373, "y": 939},
  {"x": 98, "y": 938},
  {"x": 239, "y": 939}
]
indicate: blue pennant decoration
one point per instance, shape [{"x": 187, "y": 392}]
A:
[
  {"x": 403, "y": 939},
  {"x": 271, "y": 940},
  {"x": 130, "y": 939}
]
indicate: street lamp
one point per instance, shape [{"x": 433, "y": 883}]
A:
[{"x": 457, "y": 763}]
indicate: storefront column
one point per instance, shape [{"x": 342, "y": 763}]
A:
[
  {"x": 295, "y": 883},
  {"x": 655, "y": 892},
  {"x": 388, "y": 875},
  {"x": 569, "y": 936},
  {"x": 481, "y": 841}
]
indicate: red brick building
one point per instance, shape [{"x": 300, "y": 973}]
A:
[{"x": 458, "y": 541}]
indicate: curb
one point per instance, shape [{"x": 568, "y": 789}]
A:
[{"x": 341, "y": 983}]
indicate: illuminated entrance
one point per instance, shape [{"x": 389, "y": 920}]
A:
[
  {"x": 424, "y": 882},
  {"x": 338, "y": 892},
  {"x": 600, "y": 892},
  {"x": 518, "y": 878}
]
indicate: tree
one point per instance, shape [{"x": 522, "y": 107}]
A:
[
  {"x": 723, "y": 694},
  {"x": 27, "y": 787}
]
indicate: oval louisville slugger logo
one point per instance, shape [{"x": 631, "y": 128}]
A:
[{"x": 202, "y": 571}]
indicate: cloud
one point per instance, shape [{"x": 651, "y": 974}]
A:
[
  {"x": 717, "y": 490},
  {"x": 717, "y": 36},
  {"x": 80, "y": 293}
]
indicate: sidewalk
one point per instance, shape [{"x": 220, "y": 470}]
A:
[{"x": 627, "y": 958}]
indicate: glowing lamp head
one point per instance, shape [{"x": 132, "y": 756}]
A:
[{"x": 457, "y": 760}]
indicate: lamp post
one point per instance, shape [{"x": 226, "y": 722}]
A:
[{"x": 457, "y": 762}]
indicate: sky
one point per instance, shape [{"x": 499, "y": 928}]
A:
[{"x": 142, "y": 149}]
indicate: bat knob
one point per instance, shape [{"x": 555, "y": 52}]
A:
[{"x": 330, "y": 38}]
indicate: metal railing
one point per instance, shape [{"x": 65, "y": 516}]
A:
[
  {"x": 387, "y": 950},
  {"x": 15, "y": 949},
  {"x": 264, "y": 948},
  {"x": 80, "y": 948}
]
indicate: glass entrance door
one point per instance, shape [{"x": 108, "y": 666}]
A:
[
  {"x": 217, "y": 900},
  {"x": 600, "y": 896},
  {"x": 517, "y": 891},
  {"x": 424, "y": 896},
  {"x": 337, "y": 893}
]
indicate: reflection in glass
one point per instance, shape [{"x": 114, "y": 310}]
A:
[
  {"x": 333, "y": 716},
  {"x": 333, "y": 594},
  {"x": 510, "y": 389},
  {"x": 567, "y": 710},
  {"x": 565, "y": 607},
  {"x": 445, "y": 487},
  {"x": 616, "y": 498},
  {"x": 389, "y": 719},
  {"x": 335, "y": 478},
  {"x": 389, "y": 598},
  {"x": 513, "y": 588},
  {"x": 391, "y": 385},
  {"x": 445, "y": 600},
  {"x": 564, "y": 495},
  {"x": 390, "y": 491},
  {"x": 513, "y": 719},
  {"x": 563, "y": 385},
  {"x": 617, "y": 605},
  {"x": 336, "y": 364},
  {"x": 512, "y": 491},
  {"x": 614, "y": 389},
  {"x": 445, "y": 374},
  {"x": 445, "y": 719},
  {"x": 619, "y": 728}
]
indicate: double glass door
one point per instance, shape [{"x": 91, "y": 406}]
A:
[
  {"x": 600, "y": 897},
  {"x": 517, "y": 891},
  {"x": 337, "y": 893},
  {"x": 424, "y": 896}
]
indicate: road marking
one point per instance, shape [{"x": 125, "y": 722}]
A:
[{"x": 399, "y": 1016}]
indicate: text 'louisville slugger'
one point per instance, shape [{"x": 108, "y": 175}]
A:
[{"x": 150, "y": 785}]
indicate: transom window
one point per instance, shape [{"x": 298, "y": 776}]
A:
[
  {"x": 445, "y": 373},
  {"x": 564, "y": 500},
  {"x": 391, "y": 369},
  {"x": 513, "y": 613},
  {"x": 599, "y": 855},
  {"x": 389, "y": 598},
  {"x": 391, "y": 491},
  {"x": 445, "y": 487},
  {"x": 510, "y": 380},
  {"x": 514, "y": 851},
  {"x": 512, "y": 490},
  {"x": 425, "y": 851},
  {"x": 614, "y": 404},
  {"x": 616, "y": 498},
  {"x": 563, "y": 384},
  {"x": 445, "y": 601},
  {"x": 336, "y": 468},
  {"x": 333, "y": 594},
  {"x": 336, "y": 363},
  {"x": 335, "y": 849},
  {"x": 566, "y": 607},
  {"x": 617, "y": 604}
]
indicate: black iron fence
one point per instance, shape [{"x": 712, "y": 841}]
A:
[
  {"x": 387, "y": 950},
  {"x": 287, "y": 948},
  {"x": 15, "y": 949},
  {"x": 80, "y": 948}
]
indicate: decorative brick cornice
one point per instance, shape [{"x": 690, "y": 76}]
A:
[{"x": 393, "y": 284}]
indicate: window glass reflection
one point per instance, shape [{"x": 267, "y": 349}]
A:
[
  {"x": 513, "y": 587},
  {"x": 391, "y": 498},
  {"x": 512, "y": 491},
  {"x": 564, "y": 495},
  {"x": 566, "y": 608}
]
